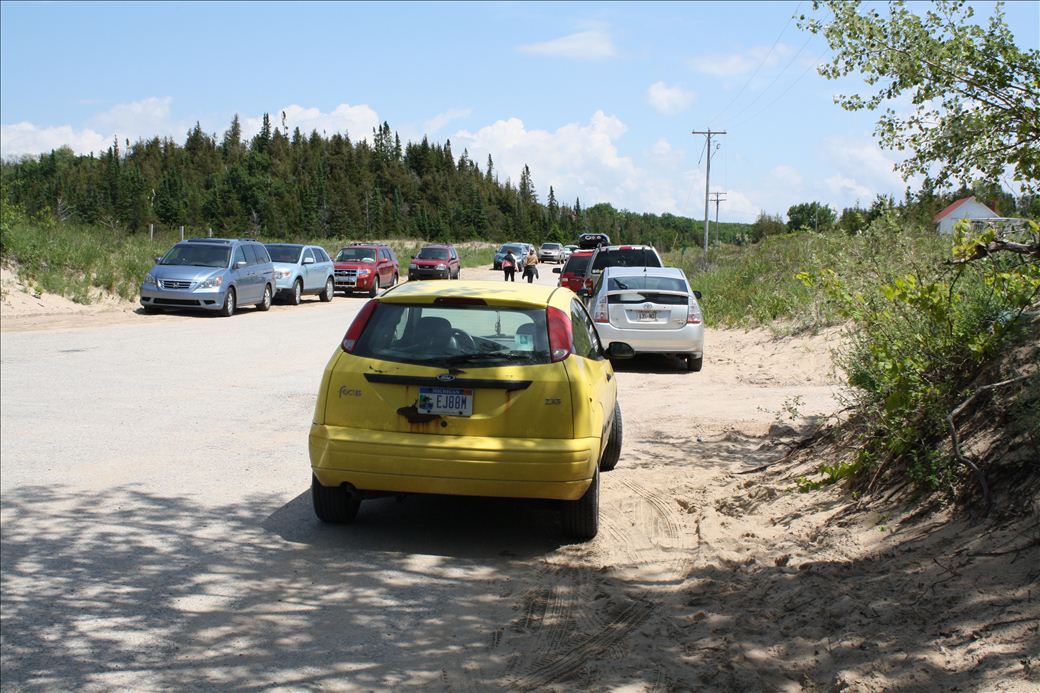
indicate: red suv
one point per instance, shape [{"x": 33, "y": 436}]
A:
[
  {"x": 435, "y": 261},
  {"x": 572, "y": 275},
  {"x": 366, "y": 267}
]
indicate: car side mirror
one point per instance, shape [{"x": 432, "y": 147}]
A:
[
  {"x": 240, "y": 264},
  {"x": 697, "y": 295},
  {"x": 158, "y": 259},
  {"x": 619, "y": 350},
  {"x": 308, "y": 261},
  {"x": 557, "y": 270},
  {"x": 583, "y": 292}
]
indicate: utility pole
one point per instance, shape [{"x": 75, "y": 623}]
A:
[
  {"x": 707, "y": 177},
  {"x": 718, "y": 196}
]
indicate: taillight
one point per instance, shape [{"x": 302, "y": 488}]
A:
[
  {"x": 358, "y": 326},
  {"x": 600, "y": 312},
  {"x": 559, "y": 333},
  {"x": 693, "y": 313}
]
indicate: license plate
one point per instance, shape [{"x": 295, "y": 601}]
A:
[
  {"x": 454, "y": 401},
  {"x": 646, "y": 315}
]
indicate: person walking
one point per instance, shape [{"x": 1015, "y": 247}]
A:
[
  {"x": 509, "y": 267},
  {"x": 530, "y": 266}
]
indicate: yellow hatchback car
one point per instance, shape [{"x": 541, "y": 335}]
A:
[{"x": 468, "y": 388}]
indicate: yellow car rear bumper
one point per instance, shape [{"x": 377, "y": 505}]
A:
[{"x": 370, "y": 460}]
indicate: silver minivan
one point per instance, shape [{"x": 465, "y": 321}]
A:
[{"x": 214, "y": 274}]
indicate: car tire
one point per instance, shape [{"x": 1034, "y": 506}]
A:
[
  {"x": 375, "y": 288},
  {"x": 396, "y": 279},
  {"x": 297, "y": 293},
  {"x": 228, "y": 309},
  {"x": 265, "y": 302},
  {"x": 329, "y": 292},
  {"x": 694, "y": 364},
  {"x": 580, "y": 518},
  {"x": 151, "y": 310},
  {"x": 333, "y": 504},
  {"x": 612, "y": 453}
]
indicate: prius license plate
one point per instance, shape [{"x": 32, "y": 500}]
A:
[
  {"x": 454, "y": 401},
  {"x": 646, "y": 315}
]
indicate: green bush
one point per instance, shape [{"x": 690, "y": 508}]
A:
[{"x": 919, "y": 339}]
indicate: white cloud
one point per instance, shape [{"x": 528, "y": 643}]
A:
[
  {"x": 436, "y": 123},
  {"x": 786, "y": 176},
  {"x": 594, "y": 44},
  {"x": 844, "y": 188},
  {"x": 136, "y": 119},
  {"x": 24, "y": 138},
  {"x": 357, "y": 121},
  {"x": 669, "y": 100},
  {"x": 127, "y": 121},
  {"x": 741, "y": 63}
]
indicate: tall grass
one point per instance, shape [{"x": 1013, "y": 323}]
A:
[
  {"x": 73, "y": 260},
  {"x": 758, "y": 285}
]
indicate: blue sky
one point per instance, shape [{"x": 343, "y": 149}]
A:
[{"x": 599, "y": 99}]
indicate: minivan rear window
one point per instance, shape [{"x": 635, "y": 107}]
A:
[{"x": 468, "y": 335}]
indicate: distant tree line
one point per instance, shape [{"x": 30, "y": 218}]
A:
[
  {"x": 287, "y": 185},
  {"x": 917, "y": 208}
]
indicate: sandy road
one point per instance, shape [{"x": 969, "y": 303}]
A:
[{"x": 157, "y": 530}]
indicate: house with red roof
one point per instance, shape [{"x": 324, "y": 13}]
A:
[{"x": 965, "y": 208}]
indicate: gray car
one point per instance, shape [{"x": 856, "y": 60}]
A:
[
  {"x": 652, "y": 308},
  {"x": 302, "y": 269},
  {"x": 214, "y": 274}
]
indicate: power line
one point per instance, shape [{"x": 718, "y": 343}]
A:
[
  {"x": 814, "y": 63},
  {"x": 760, "y": 64},
  {"x": 744, "y": 109}
]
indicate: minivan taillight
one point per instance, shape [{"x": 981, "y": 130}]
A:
[
  {"x": 358, "y": 326},
  {"x": 559, "y": 333},
  {"x": 693, "y": 313}
]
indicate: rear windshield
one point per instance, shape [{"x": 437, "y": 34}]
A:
[
  {"x": 434, "y": 254},
  {"x": 577, "y": 264},
  {"x": 646, "y": 289},
  {"x": 455, "y": 335},
  {"x": 197, "y": 255},
  {"x": 285, "y": 253},
  {"x": 642, "y": 282},
  {"x": 632, "y": 257},
  {"x": 357, "y": 255}
]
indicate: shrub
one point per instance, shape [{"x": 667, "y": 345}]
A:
[{"x": 919, "y": 339}]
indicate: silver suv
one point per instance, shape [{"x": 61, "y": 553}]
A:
[{"x": 216, "y": 274}]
